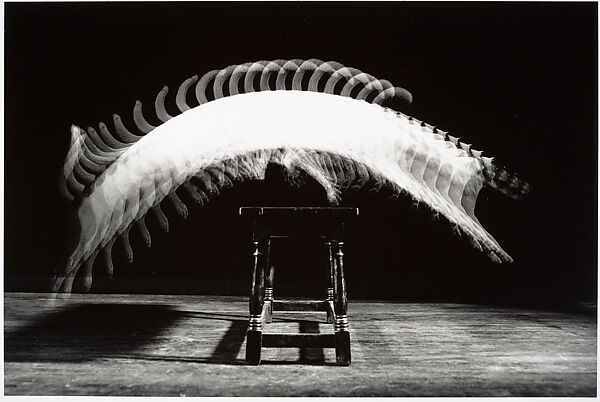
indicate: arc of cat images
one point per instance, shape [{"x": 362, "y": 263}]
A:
[
  {"x": 94, "y": 151},
  {"x": 317, "y": 117}
]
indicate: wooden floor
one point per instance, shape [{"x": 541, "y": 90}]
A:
[{"x": 194, "y": 346}]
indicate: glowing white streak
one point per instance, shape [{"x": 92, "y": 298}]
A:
[{"x": 414, "y": 159}]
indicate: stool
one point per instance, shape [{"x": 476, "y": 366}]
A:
[{"x": 325, "y": 224}]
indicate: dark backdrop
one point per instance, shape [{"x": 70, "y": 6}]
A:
[{"x": 517, "y": 80}]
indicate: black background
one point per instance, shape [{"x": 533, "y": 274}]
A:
[{"x": 519, "y": 81}]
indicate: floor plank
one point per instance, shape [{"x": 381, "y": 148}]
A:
[{"x": 194, "y": 345}]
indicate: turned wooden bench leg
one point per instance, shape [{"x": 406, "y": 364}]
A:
[
  {"x": 329, "y": 280},
  {"x": 342, "y": 334},
  {"x": 254, "y": 334},
  {"x": 269, "y": 276}
]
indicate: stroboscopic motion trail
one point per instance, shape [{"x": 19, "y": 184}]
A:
[{"x": 317, "y": 117}]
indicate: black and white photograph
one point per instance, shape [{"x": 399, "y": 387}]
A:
[{"x": 300, "y": 199}]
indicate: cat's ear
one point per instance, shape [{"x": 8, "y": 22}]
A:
[
  {"x": 77, "y": 135},
  {"x": 77, "y": 138},
  {"x": 75, "y": 131}
]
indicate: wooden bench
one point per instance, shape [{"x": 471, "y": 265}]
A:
[{"x": 325, "y": 224}]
